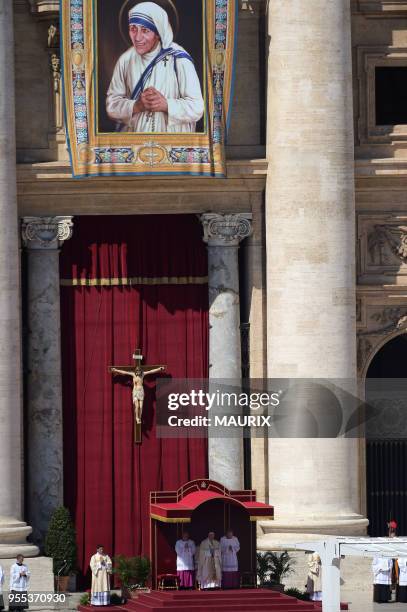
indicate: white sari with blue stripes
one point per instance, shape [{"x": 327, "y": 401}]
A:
[{"x": 172, "y": 72}]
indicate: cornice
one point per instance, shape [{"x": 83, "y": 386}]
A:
[{"x": 380, "y": 8}]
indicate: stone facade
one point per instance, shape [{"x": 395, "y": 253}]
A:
[{"x": 299, "y": 260}]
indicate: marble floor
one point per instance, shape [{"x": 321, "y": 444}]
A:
[{"x": 361, "y": 601}]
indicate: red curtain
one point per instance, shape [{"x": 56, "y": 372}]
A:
[{"x": 107, "y": 477}]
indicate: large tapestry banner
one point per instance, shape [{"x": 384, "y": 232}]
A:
[{"x": 147, "y": 85}]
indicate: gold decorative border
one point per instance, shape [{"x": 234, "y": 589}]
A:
[
  {"x": 134, "y": 280},
  {"x": 164, "y": 519},
  {"x": 82, "y": 155}
]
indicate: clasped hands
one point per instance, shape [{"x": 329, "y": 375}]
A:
[{"x": 151, "y": 100}]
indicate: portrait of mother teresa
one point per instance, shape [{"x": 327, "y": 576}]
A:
[{"x": 155, "y": 87}]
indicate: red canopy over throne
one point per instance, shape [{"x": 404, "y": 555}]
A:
[{"x": 201, "y": 506}]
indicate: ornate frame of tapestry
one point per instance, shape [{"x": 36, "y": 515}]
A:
[{"x": 130, "y": 153}]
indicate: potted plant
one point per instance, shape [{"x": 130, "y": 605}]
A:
[
  {"x": 85, "y": 599},
  {"x": 263, "y": 568},
  {"x": 60, "y": 544},
  {"x": 272, "y": 567},
  {"x": 133, "y": 573}
]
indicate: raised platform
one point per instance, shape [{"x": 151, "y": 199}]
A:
[{"x": 243, "y": 600}]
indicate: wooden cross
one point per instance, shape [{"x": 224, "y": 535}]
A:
[{"x": 137, "y": 372}]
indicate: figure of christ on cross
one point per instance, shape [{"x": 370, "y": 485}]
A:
[{"x": 137, "y": 372}]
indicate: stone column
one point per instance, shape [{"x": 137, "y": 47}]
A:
[
  {"x": 13, "y": 531},
  {"x": 254, "y": 296},
  {"x": 310, "y": 227},
  {"x": 43, "y": 237},
  {"x": 223, "y": 233}
]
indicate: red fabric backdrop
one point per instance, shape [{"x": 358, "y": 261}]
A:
[{"x": 107, "y": 477}]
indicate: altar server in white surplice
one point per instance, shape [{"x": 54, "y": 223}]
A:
[
  {"x": 382, "y": 574},
  {"x": 185, "y": 549},
  {"x": 101, "y": 567},
  {"x": 19, "y": 581},
  {"x": 155, "y": 87},
  {"x": 229, "y": 547}
]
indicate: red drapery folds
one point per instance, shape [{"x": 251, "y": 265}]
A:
[{"x": 127, "y": 282}]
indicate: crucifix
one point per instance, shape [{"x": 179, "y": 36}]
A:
[{"x": 137, "y": 372}]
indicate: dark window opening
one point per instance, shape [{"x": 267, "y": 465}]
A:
[
  {"x": 391, "y": 95},
  {"x": 386, "y": 459}
]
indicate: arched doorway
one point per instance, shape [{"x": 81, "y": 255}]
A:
[{"x": 386, "y": 453}]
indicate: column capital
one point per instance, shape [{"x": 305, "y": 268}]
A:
[
  {"x": 45, "y": 232},
  {"x": 226, "y": 229}
]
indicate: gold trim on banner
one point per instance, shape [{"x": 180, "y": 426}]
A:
[{"x": 135, "y": 280}]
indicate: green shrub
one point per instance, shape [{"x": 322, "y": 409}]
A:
[
  {"x": 132, "y": 572},
  {"x": 273, "y": 567},
  {"x": 60, "y": 542},
  {"x": 297, "y": 594},
  {"x": 143, "y": 570},
  {"x": 85, "y": 599}
]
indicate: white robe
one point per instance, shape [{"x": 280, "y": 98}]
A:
[
  {"x": 402, "y": 563},
  {"x": 180, "y": 87},
  {"x": 229, "y": 548},
  {"x": 18, "y": 582},
  {"x": 1, "y": 579},
  {"x": 382, "y": 568},
  {"x": 100, "y": 573},
  {"x": 314, "y": 577},
  {"x": 209, "y": 573},
  {"x": 185, "y": 550}
]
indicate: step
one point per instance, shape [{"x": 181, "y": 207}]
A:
[
  {"x": 203, "y": 599},
  {"x": 292, "y": 608},
  {"x": 225, "y": 606},
  {"x": 211, "y": 593},
  {"x": 247, "y": 600},
  {"x": 286, "y": 606},
  {"x": 219, "y": 600},
  {"x": 218, "y": 595},
  {"x": 196, "y": 602}
]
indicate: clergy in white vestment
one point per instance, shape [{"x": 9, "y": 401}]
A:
[
  {"x": 229, "y": 547},
  {"x": 155, "y": 87},
  {"x": 314, "y": 577},
  {"x": 19, "y": 581},
  {"x": 402, "y": 580},
  {"x": 1, "y": 588},
  {"x": 382, "y": 568},
  {"x": 209, "y": 572},
  {"x": 185, "y": 549},
  {"x": 101, "y": 567}
]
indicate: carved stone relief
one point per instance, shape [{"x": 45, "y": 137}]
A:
[{"x": 382, "y": 249}]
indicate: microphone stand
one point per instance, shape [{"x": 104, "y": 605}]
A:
[{"x": 59, "y": 574}]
